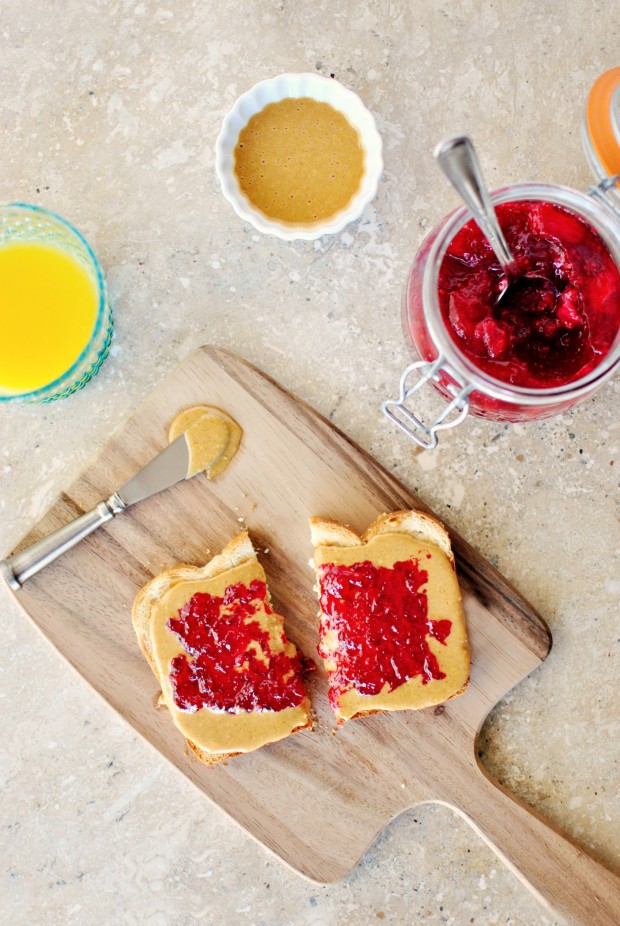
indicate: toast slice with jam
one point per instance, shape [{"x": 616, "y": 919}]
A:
[
  {"x": 229, "y": 676},
  {"x": 392, "y": 628}
]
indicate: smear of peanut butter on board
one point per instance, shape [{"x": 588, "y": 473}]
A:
[{"x": 212, "y": 437}]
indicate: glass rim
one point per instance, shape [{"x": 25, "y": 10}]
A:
[
  {"x": 43, "y": 391},
  {"x": 604, "y": 223}
]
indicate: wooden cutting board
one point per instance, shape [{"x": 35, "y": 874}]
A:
[{"x": 319, "y": 798}]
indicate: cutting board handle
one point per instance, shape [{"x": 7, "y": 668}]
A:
[{"x": 561, "y": 875}]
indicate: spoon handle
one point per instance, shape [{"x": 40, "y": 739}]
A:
[{"x": 458, "y": 159}]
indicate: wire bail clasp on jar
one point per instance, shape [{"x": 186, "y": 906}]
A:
[
  {"x": 600, "y": 191},
  {"x": 396, "y": 410}
]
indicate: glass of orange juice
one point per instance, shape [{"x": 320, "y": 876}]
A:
[{"x": 55, "y": 316}]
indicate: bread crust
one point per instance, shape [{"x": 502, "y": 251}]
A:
[
  {"x": 327, "y": 532},
  {"x": 238, "y": 551},
  {"x": 422, "y": 526}
]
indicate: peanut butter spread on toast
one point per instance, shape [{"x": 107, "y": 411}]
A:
[
  {"x": 366, "y": 590},
  {"x": 219, "y": 731}
]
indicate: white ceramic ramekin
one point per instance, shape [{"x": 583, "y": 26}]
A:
[{"x": 324, "y": 90}]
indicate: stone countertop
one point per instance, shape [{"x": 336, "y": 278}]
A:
[{"x": 109, "y": 115}]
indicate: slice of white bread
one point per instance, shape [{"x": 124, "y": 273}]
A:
[
  {"x": 219, "y": 731},
  {"x": 392, "y": 629}
]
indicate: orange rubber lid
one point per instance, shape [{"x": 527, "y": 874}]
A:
[{"x": 599, "y": 121}]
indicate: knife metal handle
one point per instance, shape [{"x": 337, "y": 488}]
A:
[{"x": 25, "y": 564}]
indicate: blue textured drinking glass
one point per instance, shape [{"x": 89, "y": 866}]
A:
[{"x": 21, "y": 222}]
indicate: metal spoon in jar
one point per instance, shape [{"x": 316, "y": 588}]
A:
[{"x": 458, "y": 159}]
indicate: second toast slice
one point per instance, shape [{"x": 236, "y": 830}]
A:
[{"x": 392, "y": 630}]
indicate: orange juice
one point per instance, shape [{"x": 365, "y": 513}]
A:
[{"x": 48, "y": 310}]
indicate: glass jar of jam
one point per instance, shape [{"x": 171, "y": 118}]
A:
[{"x": 550, "y": 338}]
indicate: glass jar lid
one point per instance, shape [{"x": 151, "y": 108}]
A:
[{"x": 601, "y": 129}]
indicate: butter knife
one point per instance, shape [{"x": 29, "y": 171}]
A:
[{"x": 165, "y": 470}]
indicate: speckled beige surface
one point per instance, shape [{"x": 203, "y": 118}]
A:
[{"x": 109, "y": 111}]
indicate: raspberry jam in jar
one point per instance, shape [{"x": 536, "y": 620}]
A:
[
  {"x": 551, "y": 339},
  {"x": 559, "y": 318},
  {"x": 533, "y": 346}
]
